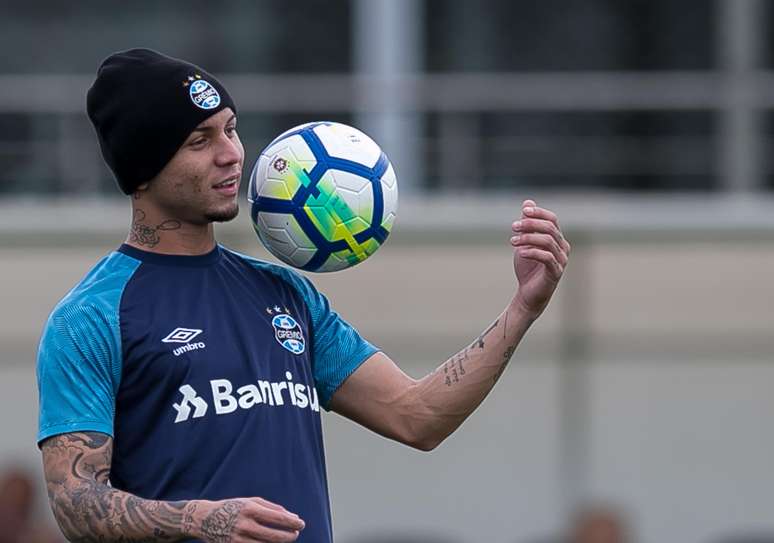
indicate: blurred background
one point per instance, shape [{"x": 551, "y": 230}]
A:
[{"x": 638, "y": 409}]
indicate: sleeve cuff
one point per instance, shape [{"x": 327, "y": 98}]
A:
[{"x": 74, "y": 426}]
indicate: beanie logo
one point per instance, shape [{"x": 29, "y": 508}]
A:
[{"x": 203, "y": 94}]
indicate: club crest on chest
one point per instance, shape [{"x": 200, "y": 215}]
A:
[{"x": 287, "y": 331}]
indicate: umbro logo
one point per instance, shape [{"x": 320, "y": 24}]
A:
[
  {"x": 184, "y": 335},
  {"x": 181, "y": 335}
]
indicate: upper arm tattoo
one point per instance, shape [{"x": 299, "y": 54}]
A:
[{"x": 87, "y": 508}]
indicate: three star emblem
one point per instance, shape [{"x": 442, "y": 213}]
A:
[{"x": 191, "y": 78}]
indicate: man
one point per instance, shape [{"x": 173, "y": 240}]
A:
[{"x": 169, "y": 410}]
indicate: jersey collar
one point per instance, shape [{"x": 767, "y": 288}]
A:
[{"x": 160, "y": 259}]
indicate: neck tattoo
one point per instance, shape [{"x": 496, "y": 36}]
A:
[{"x": 146, "y": 235}]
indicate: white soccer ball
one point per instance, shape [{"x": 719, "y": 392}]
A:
[{"x": 323, "y": 197}]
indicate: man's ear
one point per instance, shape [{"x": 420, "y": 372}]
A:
[{"x": 142, "y": 187}]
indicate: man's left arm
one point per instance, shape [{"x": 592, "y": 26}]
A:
[{"x": 422, "y": 413}]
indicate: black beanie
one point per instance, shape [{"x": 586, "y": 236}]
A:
[{"x": 144, "y": 105}]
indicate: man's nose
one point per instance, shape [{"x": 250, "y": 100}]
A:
[{"x": 229, "y": 152}]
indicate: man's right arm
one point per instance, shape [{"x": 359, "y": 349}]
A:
[{"x": 87, "y": 508}]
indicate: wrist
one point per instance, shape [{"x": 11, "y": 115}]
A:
[
  {"x": 193, "y": 513},
  {"x": 522, "y": 310}
]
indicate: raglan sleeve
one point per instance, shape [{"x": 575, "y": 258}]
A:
[
  {"x": 78, "y": 371},
  {"x": 337, "y": 347}
]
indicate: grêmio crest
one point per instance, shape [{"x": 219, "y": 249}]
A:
[{"x": 288, "y": 332}]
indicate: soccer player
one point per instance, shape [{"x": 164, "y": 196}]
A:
[{"x": 181, "y": 383}]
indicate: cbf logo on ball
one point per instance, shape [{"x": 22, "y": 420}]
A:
[
  {"x": 288, "y": 333},
  {"x": 203, "y": 94}
]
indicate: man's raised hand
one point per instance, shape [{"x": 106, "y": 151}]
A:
[{"x": 539, "y": 258}]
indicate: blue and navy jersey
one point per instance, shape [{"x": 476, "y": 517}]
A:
[{"x": 209, "y": 373}]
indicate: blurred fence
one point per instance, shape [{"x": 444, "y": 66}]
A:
[
  {"x": 654, "y": 131},
  {"x": 702, "y": 129}
]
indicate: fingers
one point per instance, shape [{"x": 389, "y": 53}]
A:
[
  {"x": 541, "y": 226},
  {"x": 541, "y": 241},
  {"x": 539, "y": 220},
  {"x": 268, "y": 504},
  {"x": 538, "y": 237},
  {"x": 265, "y": 521},
  {"x": 530, "y": 209},
  {"x": 544, "y": 257},
  {"x": 265, "y": 534},
  {"x": 275, "y": 515}
]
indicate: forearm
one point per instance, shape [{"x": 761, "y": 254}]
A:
[
  {"x": 449, "y": 394},
  {"x": 97, "y": 512},
  {"x": 88, "y": 509},
  {"x": 421, "y": 413}
]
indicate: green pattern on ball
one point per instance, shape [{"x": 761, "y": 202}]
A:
[{"x": 336, "y": 220}]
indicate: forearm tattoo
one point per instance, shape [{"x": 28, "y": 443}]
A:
[
  {"x": 454, "y": 368},
  {"x": 87, "y": 509},
  {"x": 480, "y": 339},
  {"x": 144, "y": 234},
  {"x": 504, "y": 364}
]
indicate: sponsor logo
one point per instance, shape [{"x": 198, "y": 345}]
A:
[
  {"x": 225, "y": 399},
  {"x": 203, "y": 94},
  {"x": 184, "y": 335},
  {"x": 288, "y": 333},
  {"x": 184, "y": 407}
]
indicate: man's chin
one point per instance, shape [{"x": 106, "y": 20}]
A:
[{"x": 223, "y": 215}]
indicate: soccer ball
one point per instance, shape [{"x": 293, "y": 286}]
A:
[{"x": 323, "y": 197}]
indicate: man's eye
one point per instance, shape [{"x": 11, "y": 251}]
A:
[
  {"x": 230, "y": 130},
  {"x": 198, "y": 141}
]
